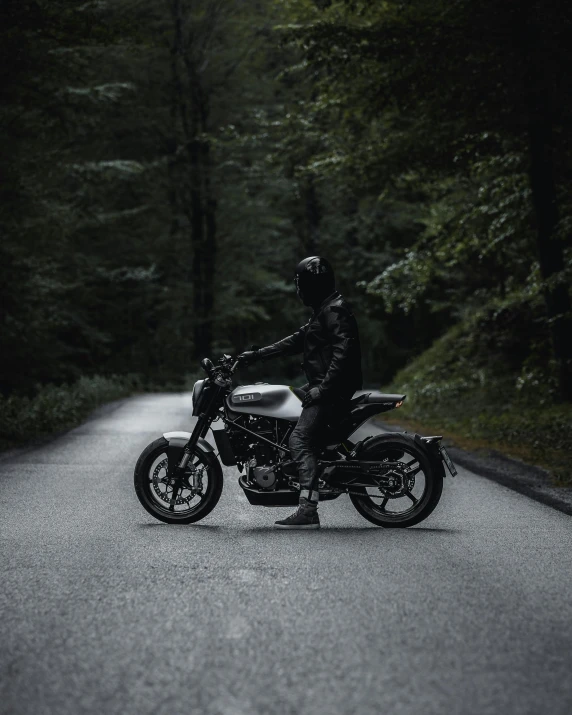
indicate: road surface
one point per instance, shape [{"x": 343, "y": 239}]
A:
[{"x": 104, "y": 610}]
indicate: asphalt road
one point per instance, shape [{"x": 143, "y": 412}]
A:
[{"x": 104, "y": 610}]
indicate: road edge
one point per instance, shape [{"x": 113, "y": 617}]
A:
[
  {"x": 527, "y": 479},
  {"x": 99, "y": 411}
]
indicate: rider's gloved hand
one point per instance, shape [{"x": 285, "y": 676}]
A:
[
  {"x": 313, "y": 395},
  {"x": 248, "y": 357}
]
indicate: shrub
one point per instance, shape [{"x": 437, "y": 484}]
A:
[
  {"x": 59, "y": 407},
  {"x": 472, "y": 393}
]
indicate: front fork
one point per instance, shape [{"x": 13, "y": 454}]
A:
[{"x": 176, "y": 473}]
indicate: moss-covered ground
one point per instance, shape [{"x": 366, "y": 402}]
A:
[{"x": 476, "y": 399}]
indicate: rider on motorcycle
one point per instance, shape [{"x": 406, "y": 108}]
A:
[{"x": 332, "y": 363}]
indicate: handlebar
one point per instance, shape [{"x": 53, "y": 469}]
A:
[{"x": 226, "y": 366}]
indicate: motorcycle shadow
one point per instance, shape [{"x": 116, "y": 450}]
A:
[
  {"x": 270, "y": 529},
  {"x": 346, "y": 529}
]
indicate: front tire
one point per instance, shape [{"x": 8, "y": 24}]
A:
[
  {"x": 372, "y": 504},
  {"x": 152, "y": 489}
]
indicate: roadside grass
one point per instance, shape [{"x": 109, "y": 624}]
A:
[
  {"x": 56, "y": 408},
  {"x": 479, "y": 403}
]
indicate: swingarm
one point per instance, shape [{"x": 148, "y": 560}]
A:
[{"x": 381, "y": 474}]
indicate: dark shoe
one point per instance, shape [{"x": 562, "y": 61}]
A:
[{"x": 303, "y": 518}]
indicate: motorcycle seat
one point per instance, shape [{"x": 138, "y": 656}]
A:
[
  {"x": 364, "y": 398},
  {"x": 374, "y": 398}
]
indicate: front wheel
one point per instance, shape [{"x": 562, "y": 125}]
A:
[
  {"x": 196, "y": 497},
  {"x": 418, "y": 483}
]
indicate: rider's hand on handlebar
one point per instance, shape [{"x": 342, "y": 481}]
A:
[{"x": 248, "y": 357}]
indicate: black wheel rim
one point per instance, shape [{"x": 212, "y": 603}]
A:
[{"x": 410, "y": 493}]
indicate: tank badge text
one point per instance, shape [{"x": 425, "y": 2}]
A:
[{"x": 247, "y": 397}]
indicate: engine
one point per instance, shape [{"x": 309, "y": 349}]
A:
[
  {"x": 245, "y": 447},
  {"x": 262, "y": 459}
]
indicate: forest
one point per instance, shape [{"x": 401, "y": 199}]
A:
[{"x": 166, "y": 164}]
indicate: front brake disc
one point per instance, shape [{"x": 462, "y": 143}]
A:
[{"x": 165, "y": 494}]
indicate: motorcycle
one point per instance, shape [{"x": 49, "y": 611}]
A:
[{"x": 392, "y": 479}]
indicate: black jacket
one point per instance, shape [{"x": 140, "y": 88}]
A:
[{"x": 331, "y": 347}]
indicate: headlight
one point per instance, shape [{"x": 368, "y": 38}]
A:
[{"x": 196, "y": 396}]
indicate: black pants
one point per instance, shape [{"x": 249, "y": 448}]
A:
[{"x": 308, "y": 437}]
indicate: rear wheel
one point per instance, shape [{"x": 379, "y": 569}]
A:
[
  {"x": 417, "y": 489},
  {"x": 196, "y": 497}
]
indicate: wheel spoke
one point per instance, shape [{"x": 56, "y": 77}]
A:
[
  {"x": 383, "y": 504},
  {"x": 174, "y": 495},
  {"x": 409, "y": 495},
  {"x": 177, "y": 496}
]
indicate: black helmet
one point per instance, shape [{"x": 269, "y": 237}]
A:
[{"x": 314, "y": 280}]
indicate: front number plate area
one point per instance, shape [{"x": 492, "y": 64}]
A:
[{"x": 448, "y": 461}]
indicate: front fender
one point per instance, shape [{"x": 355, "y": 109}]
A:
[{"x": 176, "y": 442}]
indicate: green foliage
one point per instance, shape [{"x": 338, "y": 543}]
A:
[
  {"x": 168, "y": 165},
  {"x": 58, "y": 407},
  {"x": 468, "y": 385},
  {"x": 444, "y": 110}
]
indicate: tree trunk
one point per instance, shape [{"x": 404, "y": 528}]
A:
[
  {"x": 201, "y": 326},
  {"x": 194, "y": 188},
  {"x": 180, "y": 163},
  {"x": 550, "y": 251},
  {"x": 209, "y": 254},
  {"x": 540, "y": 64},
  {"x": 308, "y": 224},
  {"x": 203, "y": 211},
  {"x": 204, "y": 256},
  {"x": 178, "y": 114}
]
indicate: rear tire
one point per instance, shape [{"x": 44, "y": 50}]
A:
[
  {"x": 149, "y": 499},
  {"x": 387, "y": 446}
]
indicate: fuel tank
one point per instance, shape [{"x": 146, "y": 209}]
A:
[{"x": 276, "y": 401}]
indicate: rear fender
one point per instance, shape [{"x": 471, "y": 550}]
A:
[
  {"x": 430, "y": 445},
  {"x": 377, "y": 439}
]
